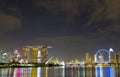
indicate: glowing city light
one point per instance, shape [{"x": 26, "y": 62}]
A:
[
  {"x": 111, "y": 50},
  {"x": 4, "y": 54}
]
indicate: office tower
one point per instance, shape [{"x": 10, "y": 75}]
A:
[
  {"x": 5, "y": 58},
  {"x": 118, "y": 56},
  {"x": 25, "y": 53},
  {"x": 112, "y": 56},
  {"x": 1, "y": 55},
  {"x": 17, "y": 56},
  {"x": 76, "y": 61},
  {"x": 88, "y": 59}
]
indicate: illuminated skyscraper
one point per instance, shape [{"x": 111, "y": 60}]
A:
[
  {"x": 1, "y": 55},
  {"x": 118, "y": 56},
  {"x": 76, "y": 61},
  {"x": 5, "y": 58},
  {"x": 39, "y": 56},
  {"x": 34, "y": 54},
  {"x": 112, "y": 56},
  {"x": 88, "y": 59},
  {"x": 101, "y": 59},
  {"x": 95, "y": 59},
  {"x": 17, "y": 56},
  {"x": 44, "y": 53},
  {"x": 25, "y": 53}
]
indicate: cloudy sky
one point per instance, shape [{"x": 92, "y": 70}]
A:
[{"x": 72, "y": 27}]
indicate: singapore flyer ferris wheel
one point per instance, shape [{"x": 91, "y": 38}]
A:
[{"x": 102, "y": 56}]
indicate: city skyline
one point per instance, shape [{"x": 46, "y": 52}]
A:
[
  {"x": 71, "y": 27},
  {"x": 40, "y": 54}
]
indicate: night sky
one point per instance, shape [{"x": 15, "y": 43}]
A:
[{"x": 72, "y": 27}]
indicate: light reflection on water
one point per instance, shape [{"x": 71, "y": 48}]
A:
[
  {"x": 107, "y": 71},
  {"x": 62, "y": 71}
]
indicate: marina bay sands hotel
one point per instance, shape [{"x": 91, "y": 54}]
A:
[{"x": 35, "y": 54}]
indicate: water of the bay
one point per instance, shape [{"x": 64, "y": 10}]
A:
[{"x": 61, "y": 71}]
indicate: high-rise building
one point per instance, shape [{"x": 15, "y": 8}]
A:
[
  {"x": 1, "y": 55},
  {"x": 118, "y": 56},
  {"x": 88, "y": 59},
  {"x": 95, "y": 59},
  {"x": 101, "y": 59},
  {"x": 25, "y": 53},
  {"x": 76, "y": 61},
  {"x": 112, "y": 56},
  {"x": 39, "y": 56},
  {"x": 34, "y": 56},
  {"x": 44, "y": 53}
]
